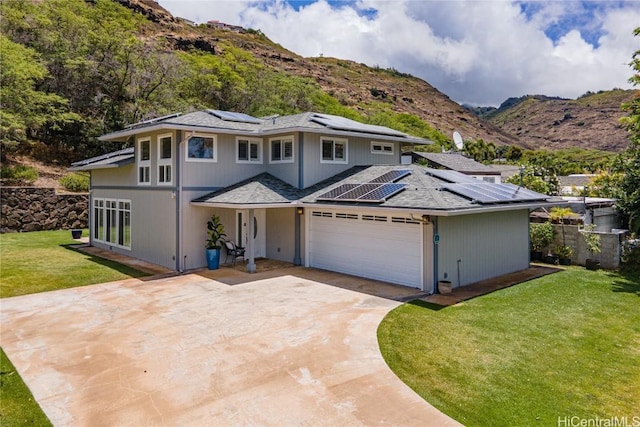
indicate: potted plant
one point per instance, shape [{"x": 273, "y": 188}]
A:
[
  {"x": 540, "y": 236},
  {"x": 592, "y": 240},
  {"x": 564, "y": 254},
  {"x": 215, "y": 233}
]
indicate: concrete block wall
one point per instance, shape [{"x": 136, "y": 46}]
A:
[
  {"x": 26, "y": 209},
  {"x": 610, "y": 245}
]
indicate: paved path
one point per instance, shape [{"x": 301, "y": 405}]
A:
[{"x": 284, "y": 350}]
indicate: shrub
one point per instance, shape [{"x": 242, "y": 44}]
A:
[
  {"x": 541, "y": 235},
  {"x": 75, "y": 182},
  {"x": 19, "y": 175}
]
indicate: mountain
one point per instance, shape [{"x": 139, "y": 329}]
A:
[
  {"x": 353, "y": 84},
  {"x": 591, "y": 121}
]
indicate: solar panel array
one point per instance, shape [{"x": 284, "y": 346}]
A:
[
  {"x": 392, "y": 176},
  {"x": 486, "y": 192},
  {"x": 375, "y": 191},
  {"x": 451, "y": 176},
  {"x": 342, "y": 123},
  {"x": 235, "y": 117}
]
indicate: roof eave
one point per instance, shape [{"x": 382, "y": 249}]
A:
[
  {"x": 244, "y": 206},
  {"x": 95, "y": 167}
]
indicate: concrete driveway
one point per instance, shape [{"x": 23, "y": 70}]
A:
[{"x": 292, "y": 347}]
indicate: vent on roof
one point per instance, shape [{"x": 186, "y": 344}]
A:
[
  {"x": 154, "y": 120},
  {"x": 234, "y": 117}
]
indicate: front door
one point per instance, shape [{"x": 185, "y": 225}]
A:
[{"x": 259, "y": 235}]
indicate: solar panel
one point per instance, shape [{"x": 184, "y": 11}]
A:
[
  {"x": 332, "y": 194},
  {"x": 391, "y": 176},
  {"x": 358, "y": 192},
  {"x": 486, "y": 193},
  {"x": 342, "y": 123},
  {"x": 154, "y": 120},
  {"x": 383, "y": 192},
  {"x": 235, "y": 117},
  {"x": 451, "y": 176}
]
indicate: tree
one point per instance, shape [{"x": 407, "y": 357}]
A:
[{"x": 629, "y": 201}]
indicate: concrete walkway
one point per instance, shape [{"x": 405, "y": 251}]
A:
[{"x": 294, "y": 347}]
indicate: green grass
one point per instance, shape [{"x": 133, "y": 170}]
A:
[
  {"x": 45, "y": 261},
  {"x": 567, "y": 344},
  {"x": 17, "y": 405}
]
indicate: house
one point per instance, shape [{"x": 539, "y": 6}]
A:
[
  {"x": 456, "y": 162},
  {"x": 313, "y": 189},
  {"x": 574, "y": 184}
]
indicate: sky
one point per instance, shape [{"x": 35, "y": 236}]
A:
[{"x": 478, "y": 52}]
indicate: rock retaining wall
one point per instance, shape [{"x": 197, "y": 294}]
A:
[{"x": 34, "y": 209}]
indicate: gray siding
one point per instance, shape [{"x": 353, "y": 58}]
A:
[
  {"x": 487, "y": 245},
  {"x": 281, "y": 234},
  {"x": 124, "y": 177},
  {"x": 153, "y": 236},
  {"x": 225, "y": 171},
  {"x": 359, "y": 153},
  {"x": 288, "y": 172}
]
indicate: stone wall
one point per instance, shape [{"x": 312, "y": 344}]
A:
[
  {"x": 34, "y": 209},
  {"x": 609, "y": 255}
]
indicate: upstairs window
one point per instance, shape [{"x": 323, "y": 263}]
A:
[
  {"x": 333, "y": 150},
  {"x": 144, "y": 161},
  {"x": 248, "y": 150},
  {"x": 201, "y": 149},
  {"x": 281, "y": 150},
  {"x": 382, "y": 148},
  {"x": 165, "y": 157}
]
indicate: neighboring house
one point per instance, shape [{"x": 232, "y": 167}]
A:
[
  {"x": 601, "y": 212},
  {"x": 506, "y": 171},
  {"x": 574, "y": 185},
  {"x": 456, "y": 162},
  {"x": 312, "y": 189}
]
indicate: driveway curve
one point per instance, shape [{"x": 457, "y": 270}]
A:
[{"x": 285, "y": 349}]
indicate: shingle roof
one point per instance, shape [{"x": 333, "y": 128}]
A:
[
  {"x": 457, "y": 162},
  {"x": 210, "y": 120},
  {"x": 422, "y": 191},
  {"x": 110, "y": 160}
]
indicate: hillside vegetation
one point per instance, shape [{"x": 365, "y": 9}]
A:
[
  {"x": 591, "y": 121},
  {"x": 73, "y": 70}
]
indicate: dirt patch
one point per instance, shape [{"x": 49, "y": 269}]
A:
[{"x": 48, "y": 174}]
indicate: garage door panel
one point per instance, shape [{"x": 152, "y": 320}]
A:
[{"x": 374, "y": 249}]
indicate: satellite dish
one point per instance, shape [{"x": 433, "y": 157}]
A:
[{"x": 457, "y": 140}]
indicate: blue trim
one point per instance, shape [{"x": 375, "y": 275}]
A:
[{"x": 297, "y": 260}]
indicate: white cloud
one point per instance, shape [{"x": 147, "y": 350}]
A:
[{"x": 478, "y": 52}]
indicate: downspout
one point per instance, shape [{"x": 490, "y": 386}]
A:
[
  {"x": 91, "y": 209},
  {"x": 179, "y": 266},
  {"x": 435, "y": 257},
  {"x": 297, "y": 259}
]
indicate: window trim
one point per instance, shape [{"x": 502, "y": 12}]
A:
[
  {"x": 382, "y": 151},
  {"x": 214, "y": 159},
  {"x": 335, "y": 140},
  {"x": 143, "y": 163},
  {"x": 162, "y": 163},
  {"x": 103, "y": 204},
  {"x": 282, "y": 139},
  {"x": 250, "y": 141}
]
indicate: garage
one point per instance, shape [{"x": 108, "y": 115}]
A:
[{"x": 381, "y": 247}]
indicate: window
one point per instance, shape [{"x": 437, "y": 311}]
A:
[
  {"x": 382, "y": 147},
  {"x": 144, "y": 161},
  {"x": 281, "y": 150},
  {"x": 333, "y": 150},
  {"x": 112, "y": 222},
  {"x": 165, "y": 156},
  {"x": 201, "y": 149},
  {"x": 248, "y": 150}
]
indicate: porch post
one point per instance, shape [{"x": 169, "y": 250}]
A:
[{"x": 251, "y": 266}]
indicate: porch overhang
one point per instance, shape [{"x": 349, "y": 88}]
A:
[{"x": 247, "y": 205}]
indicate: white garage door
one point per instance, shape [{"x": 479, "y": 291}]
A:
[{"x": 377, "y": 247}]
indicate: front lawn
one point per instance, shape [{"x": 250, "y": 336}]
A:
[
  {"x": 45, "y": 261},
  {"x": 563, "y": 345}
]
